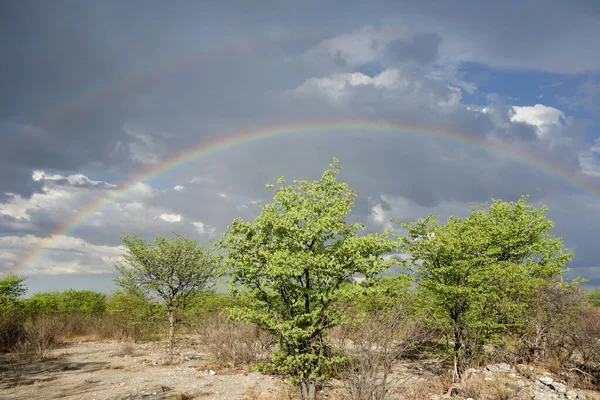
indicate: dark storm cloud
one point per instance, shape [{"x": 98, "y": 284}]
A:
[
  {"x": 105, "y": 88},
  {"x": 421, "y": 47}
]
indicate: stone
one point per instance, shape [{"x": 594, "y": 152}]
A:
[
  {"x": 571, "y": 394},
  {"x": 539, "y": 395},
  {"x": 559, "y": 387},
  {"x": 546, "y": 380}
]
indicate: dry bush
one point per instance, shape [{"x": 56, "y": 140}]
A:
[
  {"x": 423, "y": 388},
  {"x": 283, "y": 392},
  {"x": 497, "y": 388},
  {"x": 40, "y": 337},
  {"x": 372, "y": 346},
  {"x": 12, "y": 330},
  {"x": 126, "y": 349},
  {"x": 585, "y": 337},
  {"x": 550, "y": 319},
  {"x": 234, "y": 343}
]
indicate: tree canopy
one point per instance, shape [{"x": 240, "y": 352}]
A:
[
  {"x": 475, "y": 274},
  {"x": 293, "y": 261}
]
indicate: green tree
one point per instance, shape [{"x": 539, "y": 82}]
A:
[
  {"x": 42, "y": 303},
  {"x": 475, "y": 274},
  {"x": 293, "y": 262},
  {"x": 81, "y": 301},
  {"x": 138, "y": 316},
  {"x": 12, "y": 289},
  {"x": 594, "y": 298},
  {"x": 170, "y": 269}
]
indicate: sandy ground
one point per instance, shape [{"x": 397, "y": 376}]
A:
[
  {"x": 113, "y": 370},
  {"x": 104, "y": 370}
]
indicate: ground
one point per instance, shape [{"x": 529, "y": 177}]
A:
[{"x": 114, "y": 370}]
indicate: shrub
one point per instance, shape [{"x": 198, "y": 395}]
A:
[
  {"x": 234, "y": 343},
  {"x": 12, "y": 330},
  {"x": 371, "y": 345},
  {"x": 137, "y": 317},
  {"x": 40, "y": 337}
]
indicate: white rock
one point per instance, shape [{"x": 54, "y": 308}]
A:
[
  {"x": 571, "y": 394},
  {"x": 559, "y": 387},
  {"x": 546, "y": 380},
  {"x": 211, "y": 372},
  {"x": 544, "y": 395}
]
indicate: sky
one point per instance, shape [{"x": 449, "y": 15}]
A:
[{"x": 95, "y": 96}]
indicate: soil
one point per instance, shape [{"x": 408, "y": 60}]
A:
[{"x": 112, "y": 370}]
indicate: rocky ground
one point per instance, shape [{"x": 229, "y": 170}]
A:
[{"x": 111, "y": 370}]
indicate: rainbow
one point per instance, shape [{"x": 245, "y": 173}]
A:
[{"x": 326, "y": 127}]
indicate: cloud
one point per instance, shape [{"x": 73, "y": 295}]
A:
[
  {"x": 544, "y": 118},
  {"x": 170, "y": 217},
  {"x": 92, "y": 97},
  {"x": 203, "y": 229},
  {"x": 65, "y": 255},
  {"x": 420, "y": 47}
]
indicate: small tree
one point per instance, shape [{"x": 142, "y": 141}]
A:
[
  {"x": 12, "y": 289},
  {"x": 594, "y": 298},
  {"x": 171, "y": 269},
  {"x": 294, "y": 261},
  {"x": 475, "y": 274}
]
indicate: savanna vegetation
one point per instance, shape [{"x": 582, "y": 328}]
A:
[{"x": 311, "y": 296}]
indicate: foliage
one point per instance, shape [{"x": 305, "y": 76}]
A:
[
  {"x": 12, "y": 328},
  {"x": 12, "y": 289},
  {"x": 85, "y": 302},
  {"x": 206, "y": 304},
  {"x": 594, "y": 298},
  {"x": 384, "y": 293},
  {"x": 171, "y": 269},
  {"x": 475, "y": 274},
  {"x": 138, "y": 316},
  {"x": 294, "y": 262}
]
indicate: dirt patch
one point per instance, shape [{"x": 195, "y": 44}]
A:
[{"x": 105, "y": 370}]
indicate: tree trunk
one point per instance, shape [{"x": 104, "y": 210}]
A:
[
  {"x": 458, "y": 368},
  {"x": 308, "y": 390},
  {"x": 171, "y": 334}
]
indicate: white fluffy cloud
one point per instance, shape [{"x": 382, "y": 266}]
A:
[
  {"x": 170, "y": 217},
  {"x": 544, "y": 118},
  {"x": 64, "y": 255},
  {"x": 204, "y": 229}
]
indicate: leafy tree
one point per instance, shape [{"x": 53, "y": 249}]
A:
[
  {"x": 475, "y": 274},
  {"x": 12, "y": 289},
  {"x": 82, "y": 301},
  {"x": 171, "y": 269},
  {"x": 594, "y": 298},
  {"x": 138, "y": 315},
  {"x": 42, "y": 303},
  {"x": 293, "y": 262},
  {"x": 70, "y": 301}
]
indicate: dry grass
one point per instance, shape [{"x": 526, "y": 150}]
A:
[
  {"x": 232, "y": 343},
  {"x": 40, "y": 337},
  {"x": 283, "y": 392},
  {"x": 424, "y": 387},
  {"x": 490, "y": 388}
]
